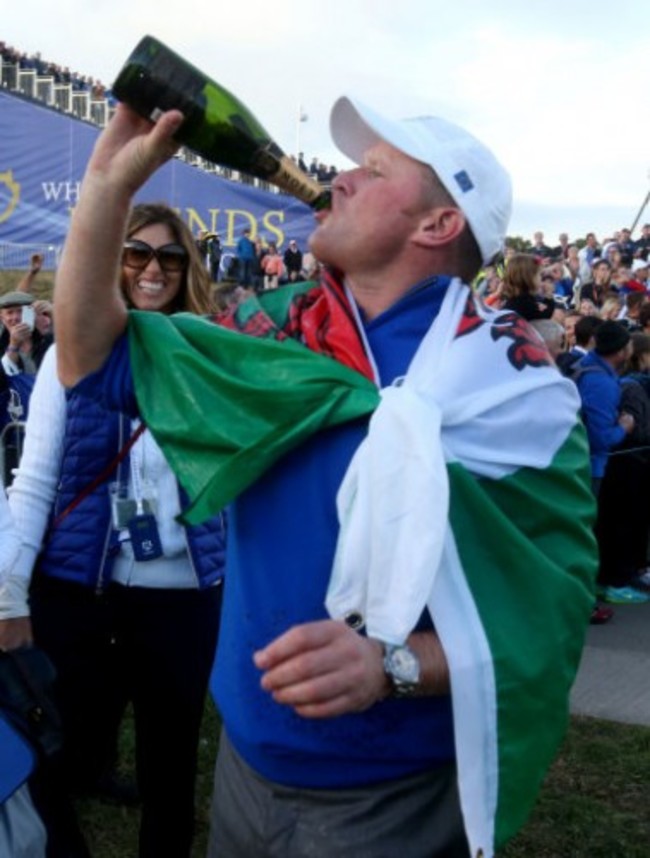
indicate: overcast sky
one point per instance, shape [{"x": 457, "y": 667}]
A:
[{"x": 558, "y": 88}]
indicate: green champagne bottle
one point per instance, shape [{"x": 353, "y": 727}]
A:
[{"x": 217, "y": 125}]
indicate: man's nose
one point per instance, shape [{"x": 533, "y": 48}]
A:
[{"x": 345, "y": 180}]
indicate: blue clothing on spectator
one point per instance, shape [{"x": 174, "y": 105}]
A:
[
  {"x": 17, "y": 759},
  {"x": 82, "y": 547},
  {"x": 600, "y": 391},
  {"x": 246, "y": 257},
  {"x": 245, "y": 249},
  {"x": 563, "y": 288}
]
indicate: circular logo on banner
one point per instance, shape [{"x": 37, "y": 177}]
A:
[{"x": 8, "y": 201}]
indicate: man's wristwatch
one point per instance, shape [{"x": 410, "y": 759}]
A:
[{"x": 402, "y": 667}]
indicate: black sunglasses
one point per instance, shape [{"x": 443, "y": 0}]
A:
[{"x": 138, "y": 254}]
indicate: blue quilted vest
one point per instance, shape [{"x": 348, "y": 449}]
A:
[{"x": 83, "y": 546}]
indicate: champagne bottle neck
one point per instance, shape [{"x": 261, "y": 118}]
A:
[{"x": 290, "y": 178}]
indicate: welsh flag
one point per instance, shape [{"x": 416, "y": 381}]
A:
[{"x": 469, "y": 496}]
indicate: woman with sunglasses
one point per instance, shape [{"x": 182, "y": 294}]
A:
[{"x": 124, "y": 599}]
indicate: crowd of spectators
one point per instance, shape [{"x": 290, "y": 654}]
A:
[
  {"x": 591, "y": 306},
  {"x": 578, "y": 274},
  {"x": 258, "y": 264},
  {"x": 317, "y": 169},
  {"x": 59, "y": 74}
]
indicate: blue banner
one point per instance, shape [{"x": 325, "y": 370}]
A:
[{"x": 43, "y": 155}]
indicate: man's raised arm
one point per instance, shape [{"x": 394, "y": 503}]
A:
[{"x": 89, "y": 310}]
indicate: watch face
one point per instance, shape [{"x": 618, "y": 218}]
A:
[{"x": 402, "y": 664}]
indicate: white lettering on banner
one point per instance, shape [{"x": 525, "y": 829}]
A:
[{"x": 65, "y": 191}]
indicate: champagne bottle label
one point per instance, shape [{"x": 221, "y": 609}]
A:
[{"x": 290, "y": 178}]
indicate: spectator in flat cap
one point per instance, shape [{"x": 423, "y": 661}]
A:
[
  {"x": 15, "y": 299},
  {"x": 24, "y": 339}
]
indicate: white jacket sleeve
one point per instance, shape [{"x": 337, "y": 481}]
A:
[
  {"x": 9, "y": 541},
  {"x": 32, "y": 492}
]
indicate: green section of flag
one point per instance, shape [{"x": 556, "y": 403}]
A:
[
  {"x": 529, "y": 557},
  {"x": 224, "y": 406}
]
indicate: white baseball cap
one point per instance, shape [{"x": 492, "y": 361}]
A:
[{"x": 474, "y": 178}]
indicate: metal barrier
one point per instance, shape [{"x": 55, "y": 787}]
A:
[
  {"x": 81, "y": 104},
  {"x": 9, "y": 75},
  {"x": 12, "y": 439},
  {"x": 16, "y": 257},
  {"x": 45, "y": 90},
  {"x": 63, "y": 97},
  {"x": 99, "y": 112},
  {"x": 27, "y": 82}
]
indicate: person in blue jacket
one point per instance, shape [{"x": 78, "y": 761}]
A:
[
  {"x": 246, "y": 255},
  {"x": 124, "y": 599},
  {"x": 597, "y": 376}
]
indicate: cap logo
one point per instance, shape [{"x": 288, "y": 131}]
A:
[{"x": 464, "y": 182}]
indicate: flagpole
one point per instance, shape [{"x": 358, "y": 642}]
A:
[
  {"x": 302, "y": 117},
  {"x": 640, "y": 212},
  {"x": 298, "y": 124}
]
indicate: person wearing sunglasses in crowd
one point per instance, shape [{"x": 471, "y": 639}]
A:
[{"x": 124, "y": 598}]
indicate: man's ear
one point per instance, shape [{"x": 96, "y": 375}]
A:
[{"x": 439, "y": 226}]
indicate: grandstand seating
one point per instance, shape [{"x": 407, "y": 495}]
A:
[{"x": 60, "y": 96}]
